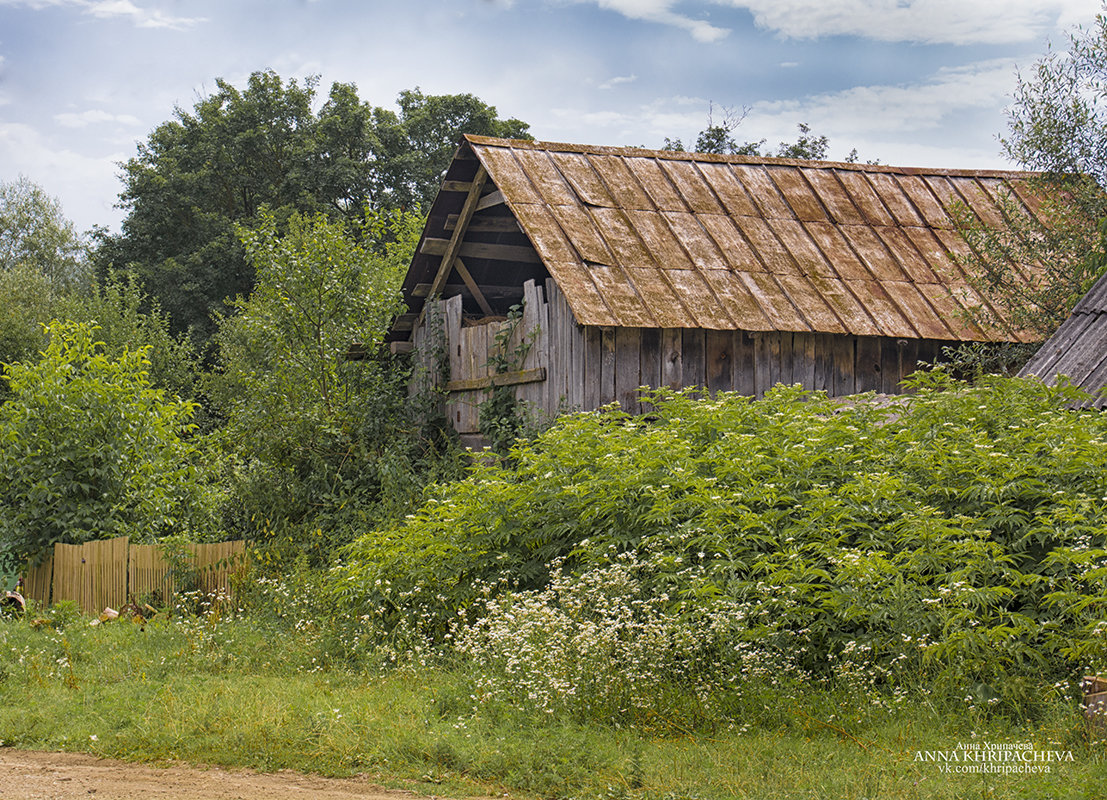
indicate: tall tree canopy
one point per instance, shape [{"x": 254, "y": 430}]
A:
[
  {"x": 207, "y": 170},
  {"x": 1057, "y": 125}
]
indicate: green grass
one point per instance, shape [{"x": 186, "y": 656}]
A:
[{"x": 234, "y": 693}]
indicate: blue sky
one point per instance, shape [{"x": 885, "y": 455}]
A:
[{"x": 907, "y": 82}]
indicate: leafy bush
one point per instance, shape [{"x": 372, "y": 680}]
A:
[
  {"x": 89, "y": 450},
  {"x": 321, "y": 443},
  {"x": 960, "y": 532}
]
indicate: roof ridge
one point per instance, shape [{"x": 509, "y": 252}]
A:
[{"x": 719, "y": 158}]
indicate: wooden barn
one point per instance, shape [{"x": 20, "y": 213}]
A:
[
  {"x": 639, "y": 267},
  {"x": 1078, "y": 349}
]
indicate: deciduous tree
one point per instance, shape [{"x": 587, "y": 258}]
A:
[
  {"x": 34, "y": 233},
  {"x": 210, "y": 169},
  {"x": 1058, "y": 126}
]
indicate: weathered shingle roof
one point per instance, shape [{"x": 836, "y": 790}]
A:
[
  {"x": 644, "y": 238},
  {"x": 1078, "y": 349}
]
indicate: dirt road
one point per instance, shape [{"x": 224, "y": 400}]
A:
[{"x": 30, "y": 775}]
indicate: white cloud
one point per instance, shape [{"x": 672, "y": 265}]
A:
[
  {"x": 928, "y": 21},
  {"x": 908, "y": 108},
  {"x": 89, "y": 182},
  {"x": 618, "y": 79},
  {"x": 93, "y": 117},
  {"x": 947, "y": 119},
  {"x": 662, "y": 11},
  {"x": 110, "y": 9}
]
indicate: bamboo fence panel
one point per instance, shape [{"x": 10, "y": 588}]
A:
[
  {"x": 93, "y": 575},
  {"x": 38, "y": 581},
  {"x": 148, "y": 574},
  {"x": 217, "y": 562},
  {"x": 112, "y": 572}
]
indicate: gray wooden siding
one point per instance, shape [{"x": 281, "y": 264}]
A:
[{"x": 586, "y": 366}]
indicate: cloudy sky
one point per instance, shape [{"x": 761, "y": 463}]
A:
[{"x": 907, "y": 82}]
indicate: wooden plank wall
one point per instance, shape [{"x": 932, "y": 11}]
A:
[
  {"x": 747, "y": 363},
  {"x": 93, "y": 575},
  {"x": 587, "y": 367},
  {"x": 110, "y": 572},
  {"x": 470, "y": 343}
]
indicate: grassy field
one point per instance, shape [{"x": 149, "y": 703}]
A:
[{"x": 233, "y": 692}]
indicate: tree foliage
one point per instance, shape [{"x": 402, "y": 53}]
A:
[
  {"x": 206, "y": 171},
  {"x": 89, "y": 450},
  {"x": 28, "y": 301},
  {"x": 35, "y": 234},
  {"x": 1057, "y": 125},
  {"x": 718, "y": 137},
  {"x": 313, "y": 430},
  {"x": 283, "y": 356}
]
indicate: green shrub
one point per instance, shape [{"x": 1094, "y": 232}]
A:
[
  {"x": 960, "y": 532},
  {"x": 89, "y": 450}
]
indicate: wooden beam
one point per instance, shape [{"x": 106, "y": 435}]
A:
[
  {"x": 459, "y": 265},
  {"x": 456, "y": 186},
  {"x": 468, "y": 208},
  {"x": 396, "y": 348},
  {"x": 494, "y": 252},
  {"x": 503, "y": 379},
  {"x": 490, "y": 292},
  {"x": 487, "y": 224},
  {"x": 405, "y": 322},
  {"x": 492, "y": 199}
]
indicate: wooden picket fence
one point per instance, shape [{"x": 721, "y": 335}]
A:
[{"x": 113, "y": 572}]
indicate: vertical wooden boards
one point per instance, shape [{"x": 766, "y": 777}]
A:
[
  {"x": 628, "y": 353},
  {"x": 558, "y": 370},
  {"x": 93, "y": 575},
  {"x": 577, "y": 373},
  {"x": 453, "y": 353},
  {"x": 566, "y": 372},
  {"x": 824, "y": 363},
  {"x": 216, "y": 563},
  {"x": 672, "y": 361},
  {"x": 109, "y": 573},
  {"x": 844, "y": 348},
  {"x": 718, "y": 360},
  {"x": 534, "y": 328},
  {"x": 787, "y": 357},
  {"x": 554, "y": 387},
  {"x": 889, "y": 366},
  {"x": 607, "y": 366},
  {"x": 908, "y": 357},
  {"x": 593, "y": 367},
  {"x": 744, "y": 364},
  {"x": 69, "y": 578},
  {"x": 693, "y": 364},
  {"x": 649, "y": 361},
  {"x": 803, "y": 359},
  {"x": 146, "y": 572},
  {"x": 868, "y": 369},
  {"x": 761, "y": 371}
]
